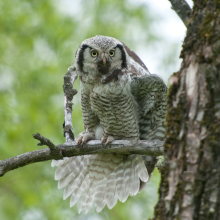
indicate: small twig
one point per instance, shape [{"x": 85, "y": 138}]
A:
[
  {"x": 43, "y": 141},
  {"x": 70, "y": 149},
  {"x": 182, "y": 9},
  {"x": 69, "y": 92},
  {"x": 56, "y": 153}
]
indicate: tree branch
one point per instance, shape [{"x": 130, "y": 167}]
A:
[
  {"x": 69, "y": 92},
  {"x": 182, "y": 9},
  {"x": 70, "y": 149}
]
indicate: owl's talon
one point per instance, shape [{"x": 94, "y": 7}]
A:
[
  {"x": 84, "y": 141},
  {"x": 104, "y": 139},
  {"x": 107, "y": 140},
  {"x": 84, "y": 137},
  {"x": 78, "y": 142}
]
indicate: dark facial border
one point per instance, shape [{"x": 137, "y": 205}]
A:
[
  {"x": 124, "y": 61},
  {"x": 81, "y": 58}
]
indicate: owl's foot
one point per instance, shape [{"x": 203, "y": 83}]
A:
[
  {"x": 107, "y": 139},
  {"x": 84, "y": 137}
]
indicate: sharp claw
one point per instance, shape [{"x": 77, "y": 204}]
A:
[
  {"x": 103, "y": 140},
  {"x": 79, "y": 141},
  {"x": 106, "y": 143},
  {"x": 84, "y": 138},
  {"x": 109, "y": 140}
]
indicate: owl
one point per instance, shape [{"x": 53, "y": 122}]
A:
[{"x": 120, "y": 99}]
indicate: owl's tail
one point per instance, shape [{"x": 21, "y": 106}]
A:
[{"x": 100, "y": 179}]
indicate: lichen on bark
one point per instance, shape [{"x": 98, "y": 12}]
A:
[{"x": 190, "y": 184}]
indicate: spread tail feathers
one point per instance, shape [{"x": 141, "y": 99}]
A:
[{"x": 100, "y": 179}]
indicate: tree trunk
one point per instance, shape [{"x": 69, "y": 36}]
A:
[{"x": 190, "y": 185}]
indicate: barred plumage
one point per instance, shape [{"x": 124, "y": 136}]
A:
[{"x": 120, "y": 100}]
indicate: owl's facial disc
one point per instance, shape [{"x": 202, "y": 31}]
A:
[{"x": 101, "y": 56}]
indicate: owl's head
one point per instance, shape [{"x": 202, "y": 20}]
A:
[{"x": 99, "y": 56}]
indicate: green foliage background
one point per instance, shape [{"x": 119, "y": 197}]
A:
[{"x": 38, "y": 41}]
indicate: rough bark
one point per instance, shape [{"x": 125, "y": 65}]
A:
[
  {"x": 69, "y": 92},
  {"x": 190, "y": 186}
]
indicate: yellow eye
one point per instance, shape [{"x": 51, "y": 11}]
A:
[
  {"x": 111, "y": 53},
  {"x": 94, "y": 53}
]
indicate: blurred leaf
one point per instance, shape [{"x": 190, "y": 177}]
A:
[{"x": 38, "y": 40}]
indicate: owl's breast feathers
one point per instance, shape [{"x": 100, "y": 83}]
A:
[{"x": 116, "y": 108}]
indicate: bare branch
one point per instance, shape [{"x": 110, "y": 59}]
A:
[
  {"x": 70, "y": 149},
  {"x": 182, "y": 9},
  {"x": 69, "y": 92},
  {"x": 55, "y": 153},
  {"x": 43, "y": 141}
]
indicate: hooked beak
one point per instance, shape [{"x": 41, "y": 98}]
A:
[{"x": 104, "y": 60}]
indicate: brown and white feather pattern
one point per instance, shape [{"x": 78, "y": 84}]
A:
[
  {"x": 120, "y": 99},
  {"x": 100, "y": 179}
]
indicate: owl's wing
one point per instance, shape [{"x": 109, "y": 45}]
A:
[
  {"x": 149, "y": 91},
  {"x": 138, "y": 68},
  {"x": 150, "y": 94},
  {"x": 100, "y": 179}
]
